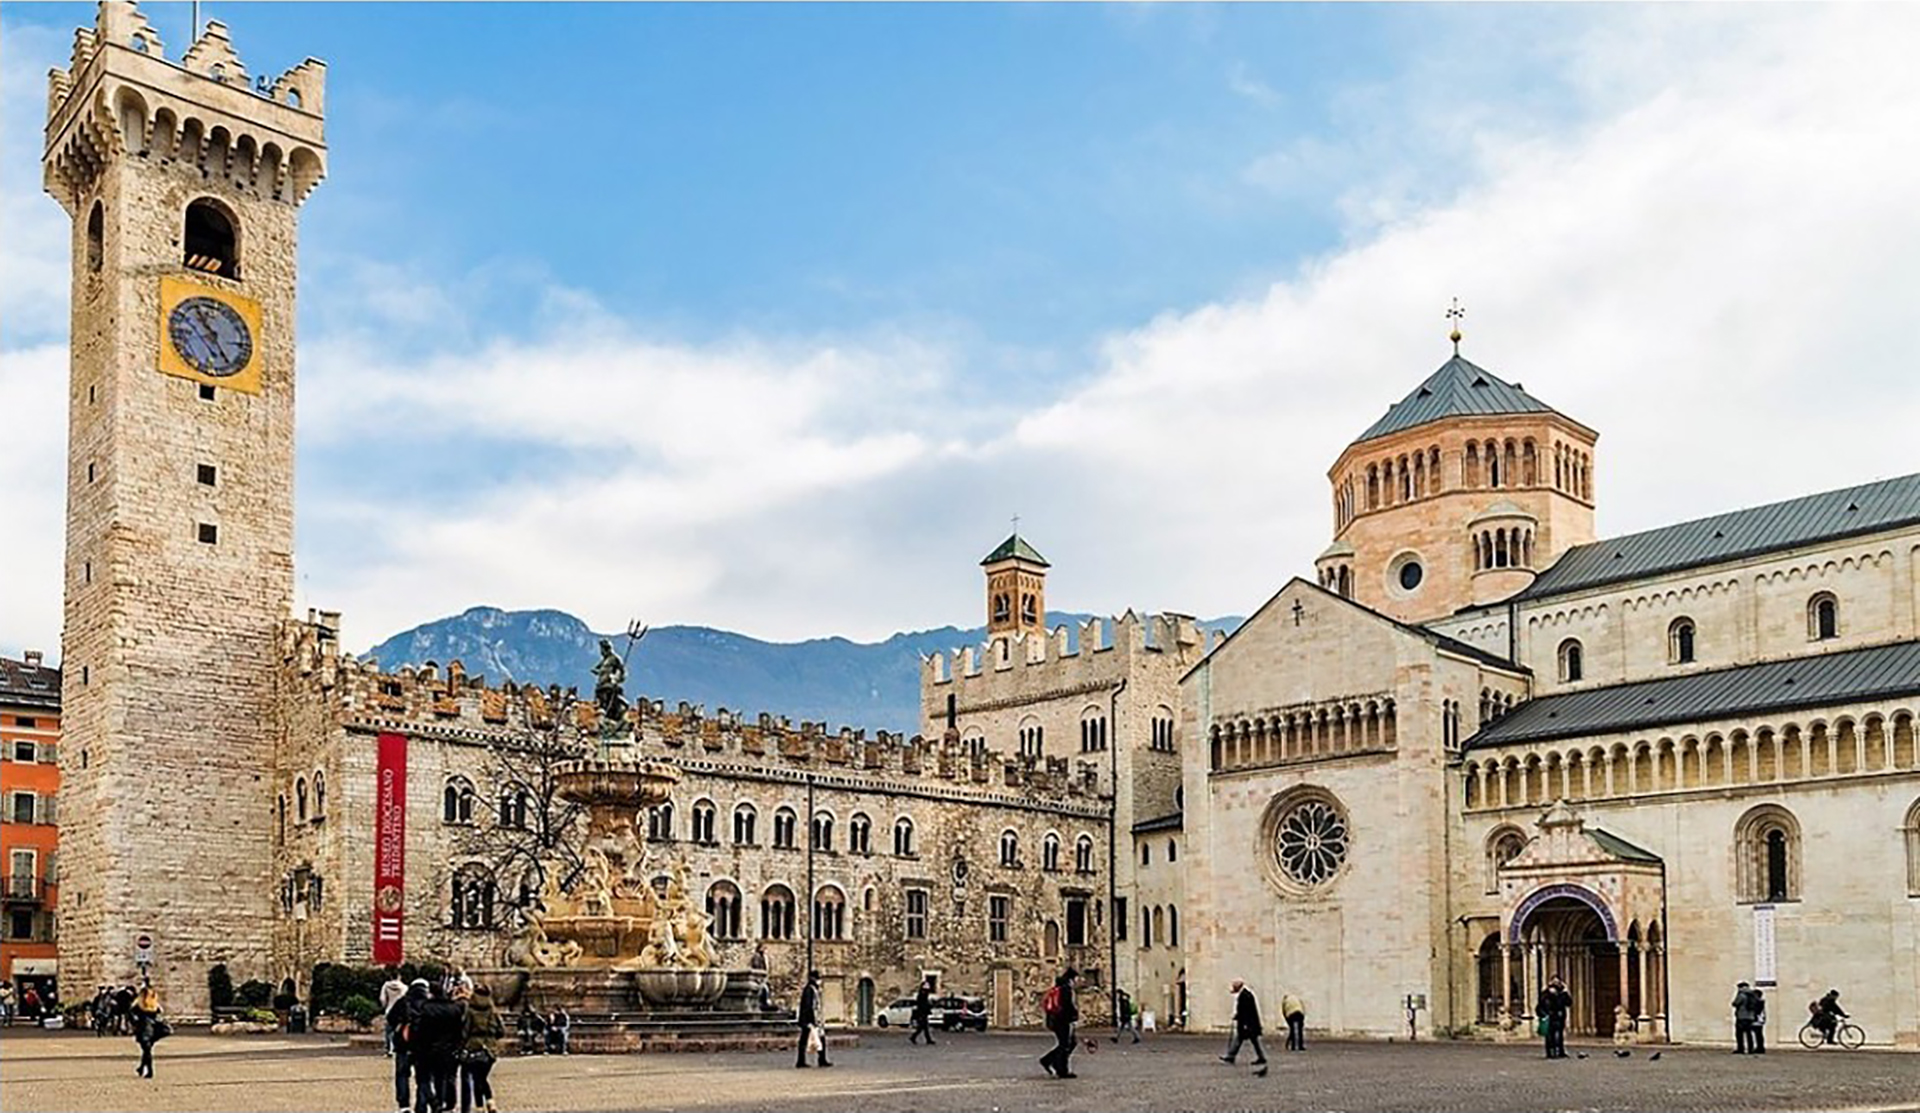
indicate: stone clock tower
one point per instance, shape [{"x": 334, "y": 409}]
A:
[{"x": 184, "y": 181}]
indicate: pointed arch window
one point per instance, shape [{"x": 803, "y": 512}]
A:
[{"x": 472, "y": 899}]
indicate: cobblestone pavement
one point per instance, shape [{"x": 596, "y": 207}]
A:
[{"x": 77, "y": 1071}]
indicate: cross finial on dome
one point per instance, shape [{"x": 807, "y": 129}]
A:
[{"x": 1455, "y": 314}]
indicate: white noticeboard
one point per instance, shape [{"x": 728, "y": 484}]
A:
[{"x": 1765, "y": 973}]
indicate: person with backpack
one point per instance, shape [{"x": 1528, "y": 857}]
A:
[
  {"x": 923, "y": 1012},
  {"x": 481, "y": 1032},
  {"x": 1124, "y": 1013},
  {"x": 1061, "y": 1013},
  {"x": 399, "y": 1033}
]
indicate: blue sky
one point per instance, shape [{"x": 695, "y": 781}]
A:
[{"x": 768, "y": 317}]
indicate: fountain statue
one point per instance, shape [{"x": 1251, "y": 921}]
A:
[{"x": 604, "y": 943}]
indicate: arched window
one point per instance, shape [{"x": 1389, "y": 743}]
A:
[
  {"x": 472, "y": 899},
  {"x": 744, "y": 820},
  {"x": 1083, "y": 854},
  {"x": 1032, "y": 738},
  {"x": 1050, "y": 853},
  {"x": 829, "y": 913},
  {"x": 1680, "y": 641},
  {"x": 975, "y": 743},
  {"x": 660, "y": 822},
  {"x": 1767, "y": 855},
  {"x": 1050, "y": 939},
  {"x": 703, "y": 822},
  {"x": 785, "y": 825},
  {"x": 1173, "y": 926},
  {"x": 1002, "y": 608},
  {"x": 823, "y": 831},
  {"x": 1009, "y": 849},
  {"x": 1160, "y": 924},
  {"x": 860, "y": 834},
  {"x": 1571, "y": 665},
  {"x": 1502, "y": 844},
  {"x": 1173, "y": 851},
  {"x": 1163, "y": 729},
  {"x": 723, "y": 908},
  {"x": 1823, "y": 617},
  {"x": 1029, "y": 608},
  {"x": 300, "y": 800},
  {"x": 1913, "y": 849},
  {"x": 776, "y": 913},
  {"x": 903, "y": 837},
  {"x": 96, "y": 237},
  {"x": 210, "y": 242},
  {"x": 456, "y": 801},
  {"x": 319, "y": 795},
  {"x": 1093, "y": 731},
  {"x": 514, "y": 803}
]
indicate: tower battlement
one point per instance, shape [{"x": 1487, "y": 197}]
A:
[
  {"x": 452, "y": 705},
  {"x": 1063, "y": 651},
  {"x": 121, "y": 96}
]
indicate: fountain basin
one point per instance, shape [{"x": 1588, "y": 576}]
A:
[{"x": 672, "y": 988}]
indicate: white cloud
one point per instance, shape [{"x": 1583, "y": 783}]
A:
[{"x": 1714, "y": 265}]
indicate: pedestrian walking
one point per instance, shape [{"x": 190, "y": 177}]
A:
[
  {"x": 149, "y": 1028},
  {"x": 923, "y": 1012},
  {"x": 391, "y": 991},
  {"x": 813, "y": 1034},
  {"x": 30, "y": 1003},
  {"x": 400, "y": 1034},
  {"x": 1246, "y": 1025},
  {"x": 1554, "y": 1003},
  {"x": 1061, "y": 1012},
  {"x": 1295, "y": 1012},
  {"x": 1123, "y": 1010},
  {"x": 1743, "y": 1018},
  {"x": 6, "y": 1003},
  {"x": 434, "y": 1031},
  {"x": 481, "y": 1032}
]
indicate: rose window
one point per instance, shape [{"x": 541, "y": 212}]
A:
[{"x": 1310, "y": 842}]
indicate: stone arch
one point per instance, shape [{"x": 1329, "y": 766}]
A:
[
  {"x": 1502, "y": 844},
  {"x": 1545, "y": 893},
  {"x": 1767, "y": 855}
]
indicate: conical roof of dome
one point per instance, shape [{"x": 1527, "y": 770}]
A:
[{"x": 1459, "y": 388}]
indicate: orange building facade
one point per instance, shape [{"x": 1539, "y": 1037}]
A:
[{"x": 30, "y": 770}]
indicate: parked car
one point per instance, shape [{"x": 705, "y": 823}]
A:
[
  {"x": 897, "y": 1015},
  {"x": 954, "y": 1013}
]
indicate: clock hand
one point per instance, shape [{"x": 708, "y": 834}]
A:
[{"x": 212, "y": 333}]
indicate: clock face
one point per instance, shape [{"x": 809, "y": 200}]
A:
[{"x": 210, "y": 336}]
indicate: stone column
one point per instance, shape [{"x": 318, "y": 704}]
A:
[
  {"x": 1646, "y": 1009},
  {"x": 1506, "y": 981},
  {"x": 1626, "y": 984}
]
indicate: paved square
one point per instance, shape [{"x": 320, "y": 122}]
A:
[{"x": 63, "y": 1071}]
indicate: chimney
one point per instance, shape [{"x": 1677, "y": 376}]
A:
[{"x": 33, "y": 658}]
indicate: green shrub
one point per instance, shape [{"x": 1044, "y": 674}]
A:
[
  {"x": 360, "y": 1010},
  {"x": 334, "y": 984},
  {"x": 220, "y": 986},
  {"x": 254, "y": 994},
  {"x": 259, "y": 1016}
]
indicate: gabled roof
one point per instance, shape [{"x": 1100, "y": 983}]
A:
[
  {"x": 1459, "y": 388},
  {"x": 1431, "y": 637},
  {"x": 1162, "y": 823},
  {"x": 1868, "y": 508},
  {"x": 25, "y": 685},
  {"x": 1620, "y": 848},
  {"x": 1016, "y": 548},
  {"x": 1877, "y": 672}
]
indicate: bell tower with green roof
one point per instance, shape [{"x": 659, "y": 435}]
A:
[{"x": 1016, "y": 588}]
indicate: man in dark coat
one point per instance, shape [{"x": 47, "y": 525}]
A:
[
  {"x": 923, "y": 1012},
  {"x": 1060, "y": 1021},
  {"x": 1554, "y": 1003},
  {"x": 399, "y": 1026},
  {"x": 1246, "y": 1025},
  {"x": 436, "y": 1026},
  {"x": 1744, "y": 1014},
  {"x": 810, "y": 1019}
]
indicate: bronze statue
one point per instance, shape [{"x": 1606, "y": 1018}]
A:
[{"x": 609, "y": 681}]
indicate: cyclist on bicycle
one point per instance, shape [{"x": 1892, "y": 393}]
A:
[{"x": 1827, "y": 1014}]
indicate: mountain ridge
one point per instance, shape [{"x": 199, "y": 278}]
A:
[{"x": 830, "y": 679}]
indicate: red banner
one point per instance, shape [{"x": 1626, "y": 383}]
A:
[{"x": 389, "y": 849}]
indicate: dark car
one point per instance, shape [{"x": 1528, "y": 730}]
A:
[{"x": 953, "y": 1013}]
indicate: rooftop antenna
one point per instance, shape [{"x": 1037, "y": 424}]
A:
[
  {"x": 1455, "y": 314},
  {"x": 195, "y": 37}
]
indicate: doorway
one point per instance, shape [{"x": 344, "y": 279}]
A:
[{"x": 863, "y": 1002}]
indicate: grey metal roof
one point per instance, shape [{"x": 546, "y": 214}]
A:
[
  {"x": 1458, "y": 388},
  {"x": 1820, "y": 680},
  {"x": 1868, "y": 508},
  {"x": 1163, "y": 823},
  {"x": 1620, "y": 848}
]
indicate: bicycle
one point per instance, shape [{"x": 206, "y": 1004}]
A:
[{"x": 1847, "y": 1034}]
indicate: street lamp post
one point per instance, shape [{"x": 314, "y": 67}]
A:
[{"x": 813, "y": 905}]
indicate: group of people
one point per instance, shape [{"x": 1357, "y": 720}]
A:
[
  {"x": 1061, "y": 1008},
  {"x": 28, "y": 1005},
  {"x": 110, "y": 1012},
  {"x": 444, "y": 1040}
]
